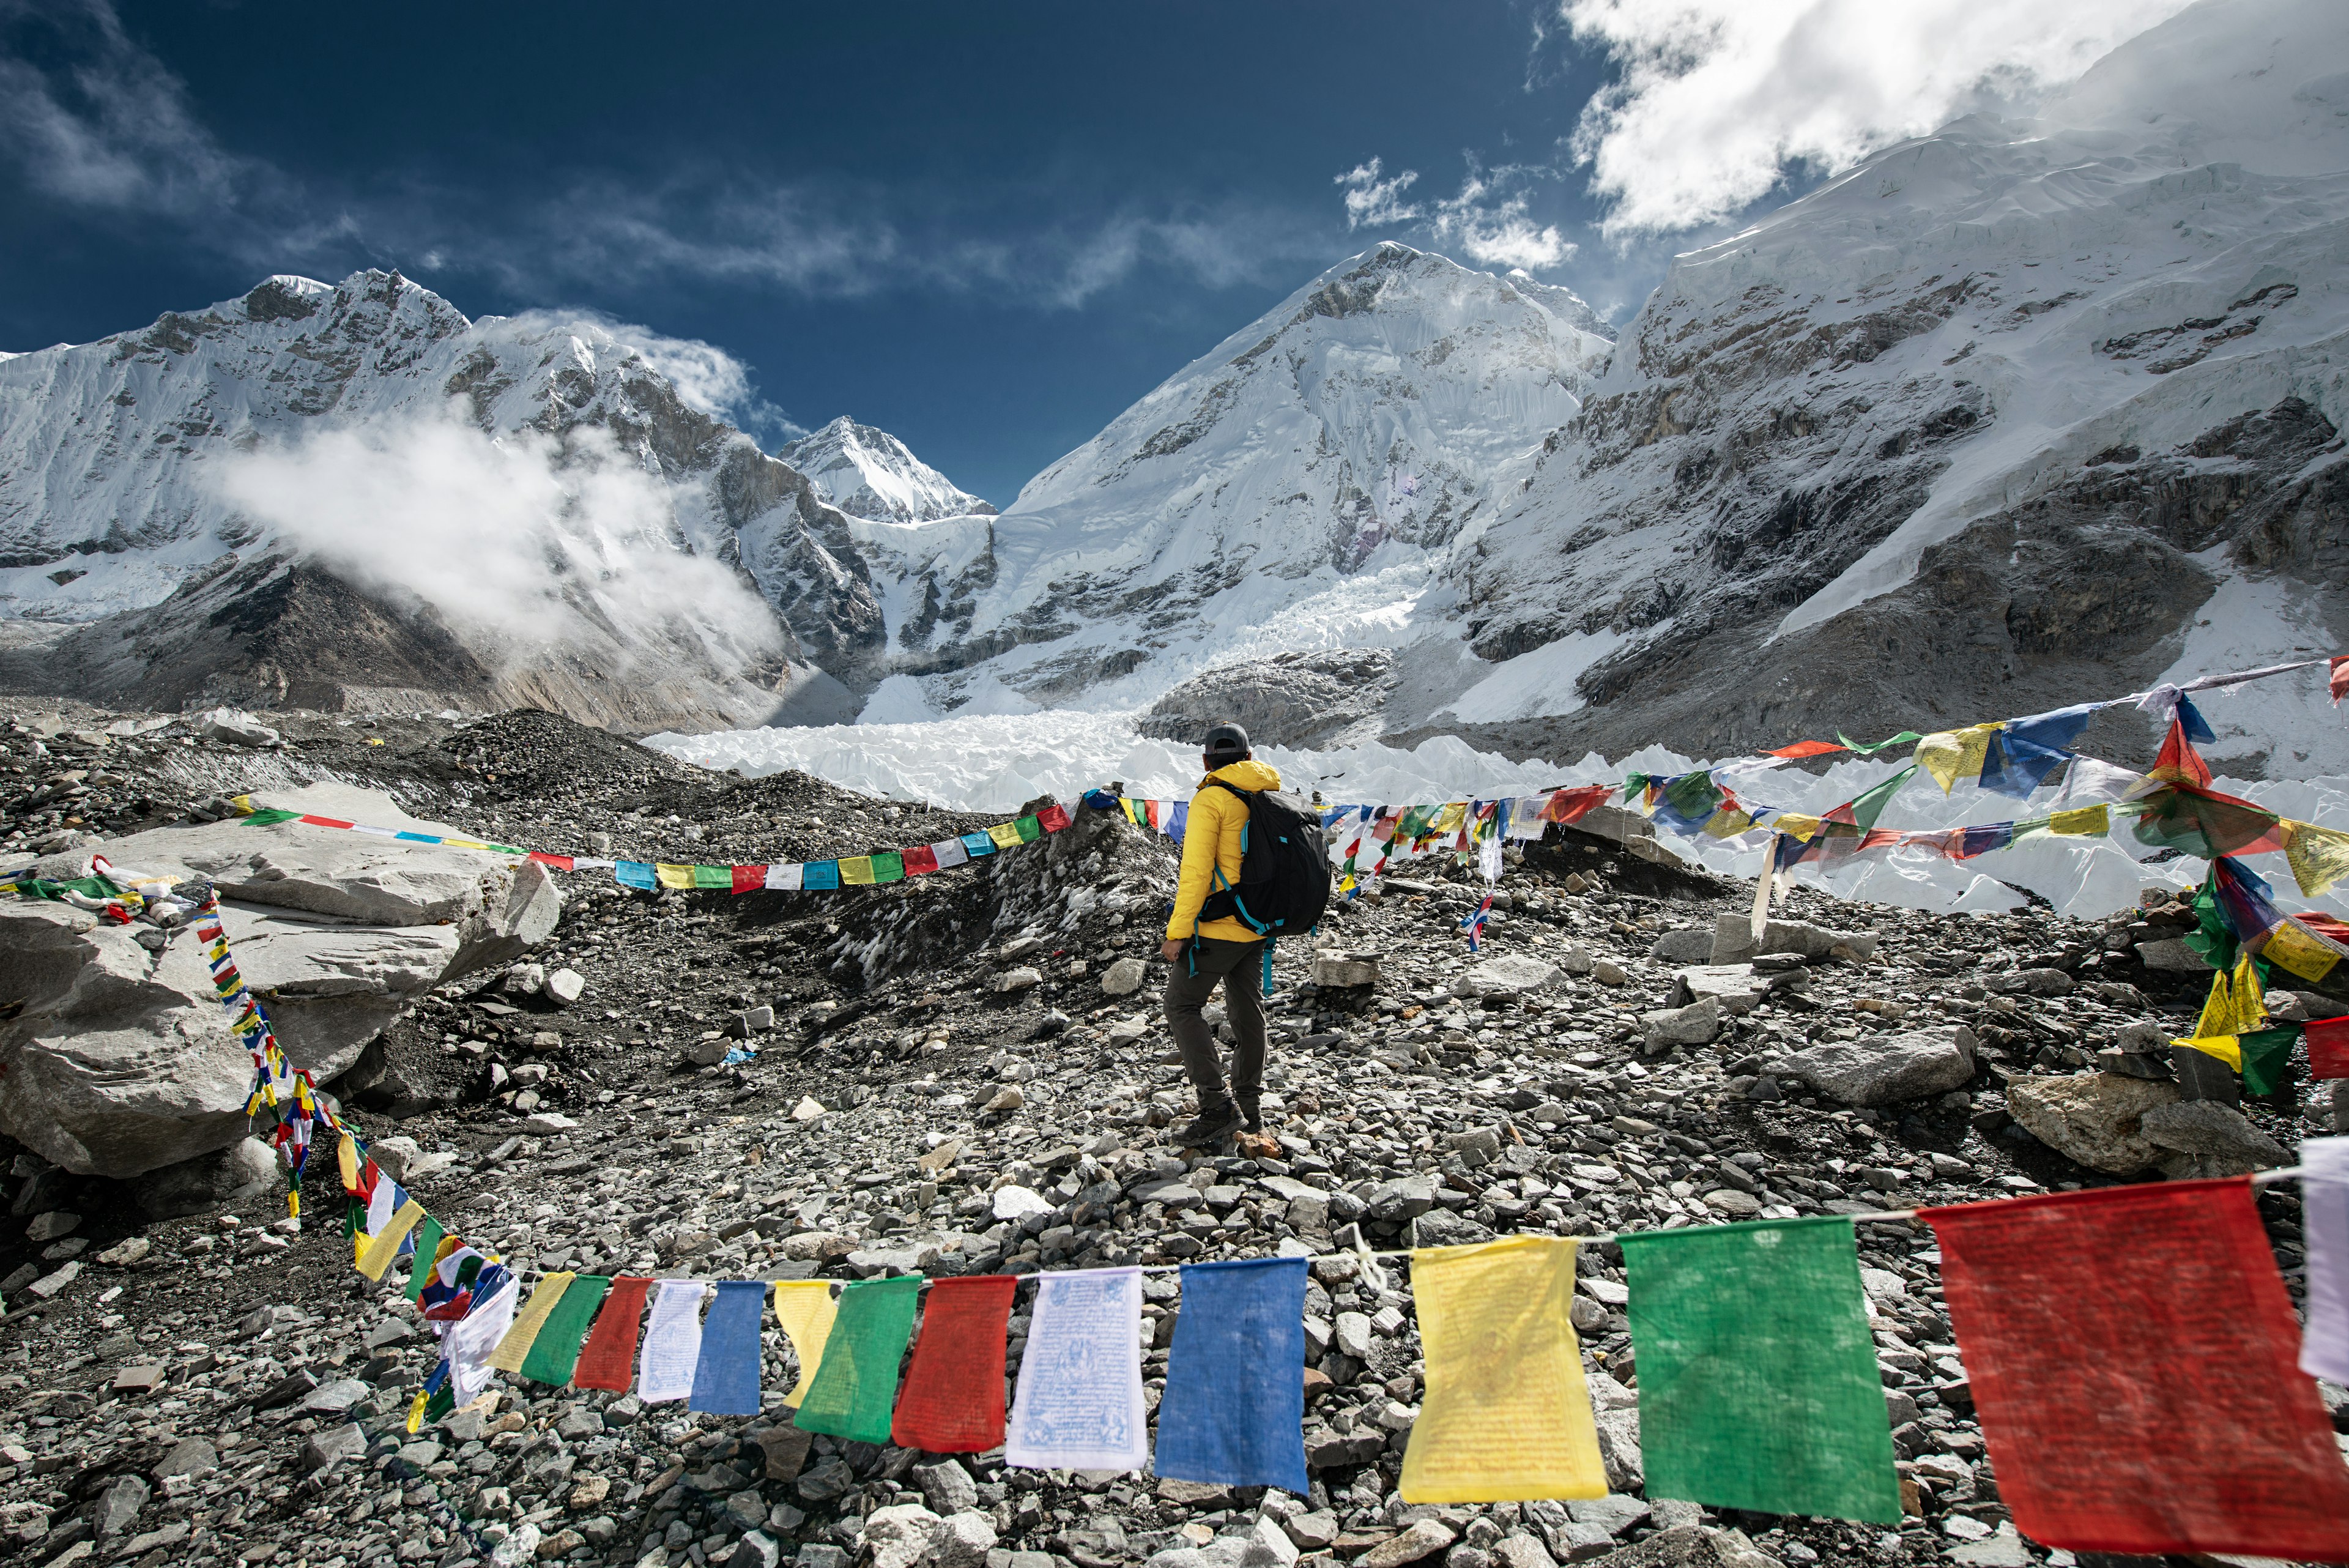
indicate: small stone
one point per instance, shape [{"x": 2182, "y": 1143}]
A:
[
  {"x": 1024, "y": 978},
  {"x": 1015, "y": 1203},
  {"x": 1125, "y": 977},
  {"x": 48, "y": 1227},
  {"x": 962, "y": 1540},
  {"x": 1694, "y": 1025},
  {"x": 1736, "y": 1204},
  {"x": 331, "y": 1445},
  {"x": 1606, "y": 972},
  {"x": 756, "y": 1550},
  {"x": 547, "y": 1123},
  {"x": 567, "y": 986},
  {"x": 1007, "y": 1098},
  {"x": 188, "y": 1457},
  {"x": 809, "y": 1110},
  {"x": 48, "y": 1285},
  {"x": 1423, "y": 1539},
  {"x": 118, "y": 1505}
]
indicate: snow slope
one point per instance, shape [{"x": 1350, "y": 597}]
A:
[
  {"x": 2000, "y": 412},
  {"x": 868, "y": 473},
  {"x": 1306, "y": 474}
]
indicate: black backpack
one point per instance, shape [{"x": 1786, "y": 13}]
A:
[{"x": 1284, "y": 883}]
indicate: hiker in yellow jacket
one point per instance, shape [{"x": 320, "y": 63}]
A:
[{"x": 1206, "y": 953}]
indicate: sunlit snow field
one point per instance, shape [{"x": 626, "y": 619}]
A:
[{"x": 997, "y": 762}]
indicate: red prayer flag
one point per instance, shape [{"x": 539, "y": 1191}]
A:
[
  {"x": 1802, "y": 749},
  {"x": 608, "y": 1358},
  {"x": 2132, "y": 1355},
  {"x": 749, "y": 878},
  {"x": 2328, "y": 1047},
  {"x": 560, "y": 862},
  {"x": 953, "y": 1399},
  {"x": 920, "y": 858},
  {"x": 1053, "y": 818},
  {"x": 2340, "y": 678},
  {"x": 323, "y": 821},
  {"x": 1574, "y": 804},
  {"x": 2179, "y": 762}
]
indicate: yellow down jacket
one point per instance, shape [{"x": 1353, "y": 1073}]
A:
[{"x": 1210, "y": 843}]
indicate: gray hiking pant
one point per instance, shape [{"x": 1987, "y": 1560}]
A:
[{"x": 1238, "y": 967}]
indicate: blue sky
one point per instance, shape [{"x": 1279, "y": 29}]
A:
[{"x": 987, "y": 229}]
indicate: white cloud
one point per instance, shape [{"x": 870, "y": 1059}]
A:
[
  {"x": 517, "y": 542},
  {"x": 1494, "y": 229},
  {"x": 1373, "y": 200},
  {"x": 1716, "y": 99}
]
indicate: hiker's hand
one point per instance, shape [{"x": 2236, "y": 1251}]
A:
[{"x": 1170, "y": 951}]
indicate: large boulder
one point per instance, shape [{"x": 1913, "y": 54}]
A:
[
  {"x": 119, "y": 1059},
  {"x": 2096, "y": 1121},
  {"x": 1876, "y": 1070},
  {"x": 1511, "y": 974},
  {"x": 2209, "y": 1139}
]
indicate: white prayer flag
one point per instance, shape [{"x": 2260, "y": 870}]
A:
[
  {"x": 2324, "y": 1216},
  {"x": 949, "y": 852},
  {"x": 1078, "y": 1403},
  {"x": 673, "y": 1342},
  {"x": 472, "y": 1337},
  {"x": 784, "y": 878}
]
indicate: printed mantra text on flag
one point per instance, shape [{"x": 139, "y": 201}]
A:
[{"x": 2131, "y": 1353}]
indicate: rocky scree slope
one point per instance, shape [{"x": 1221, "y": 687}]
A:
[
  {"x": 2005, "y": 415},
  {"x": 221, "y": 1388},
  {"x": 113, "y": 524}
]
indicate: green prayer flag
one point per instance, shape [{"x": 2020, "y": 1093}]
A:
[
  {"x": 855, "y": 1386},
  {"x": 266, "y": 817},
  {"x": 556, "y": 1351},
  {"x": 1867, "y": 807},
  {"x": 1905, "y": 738},
  {"x": 2205, "y": 826},
  {"x": 1694, "y": 796},
  {"x": 429, "y": 1236},
  {"x": 1030, "y": 829},
  {"x": 2212, "y": 939},
  {"x": 2267, "y": 1059},
  {"x": 714, "y": 877},
  {"x": 889, "y": 867},
  {"x": 1758, "y": 1383}
]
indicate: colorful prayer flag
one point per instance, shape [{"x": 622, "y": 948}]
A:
[
  {"x": 2101, "y": 1330},
  {"x": 1078, "y": 1405},
  {"x": 784, "y": 878},
  {"x": 2319, "y": 855},
  {"x": 749, "y": 878},
  {"x": 1233, "y": 1409},
  {"x": 469, "y": 1345},
  {"x": 857, "y": 1384},
  {"x": 820, "y": 875},
  {"x": 608, "y": 1358},
  {"x": 672, "y": 874},
  {"x": 805, "y": 1309},
  {"x": 726, "y": 1377},
  {"x": 673, "y": 1344},
  {"x": 429, "y": 1237},
  {"x": 889, "y": 867},
  {"x": 1802, "y": 749},
  {"x": 637, "y": 874},
  {"x": 977, "y": 844},
  {"x": 2328, "y": 1047},
  {"x": 2092, "y": 821},
  {"x": 2266, "y": 1063},
  {"x": 1053, "y": 818},
  {"x": 1004, "y": 836},
  {"x": 385, "y": 1244},
  {"x": 1507, "y": 1414},
  {"x": 1028, "y": 829},
  {"x": 1758, "y": 1383},
  {"x": 856, "y": 871},
  {"x": 953, "y": 1401},
  {"x": 921, "y": 858},
  {"x": 554, "y": 1349},
  {"x": 508, "y": 1356},
  {"x": 1955, "y": 754},
  {"x": 950, "y": 852},
  {"x": 2325, "y": 1227}
]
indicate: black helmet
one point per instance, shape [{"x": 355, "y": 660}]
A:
[{"x": 1226, "y": 744}]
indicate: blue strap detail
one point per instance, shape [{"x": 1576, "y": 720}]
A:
[{"x": 1264, "y": 985}]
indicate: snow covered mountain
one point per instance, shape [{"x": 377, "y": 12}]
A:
[
  {"x": 868, "y": 473},
  {"x": 352, "y": 494},
  {"x": 2007, "y": 416},
  {"x": 1295, "y": 487}
]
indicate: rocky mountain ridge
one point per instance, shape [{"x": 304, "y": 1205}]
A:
[{"x": 868, "y": 473}]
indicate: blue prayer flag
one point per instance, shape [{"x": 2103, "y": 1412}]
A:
[
  {"x": 635, "y": 874},
  {"x": 1176, "y": 823},
  {"x": 978, "y": 843},
  {"x": 725, "y": 1378},
  {"x": 2024, "y": 754},
  {"x": 2189, "y": 719},
  {"x": 1233, "y": 1409},
  {"x": 820, "y": 874}
]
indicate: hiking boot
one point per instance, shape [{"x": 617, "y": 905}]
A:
[
  {"x": 1251, "y": 1115},
  {"x": 1211, "y": 1127}
]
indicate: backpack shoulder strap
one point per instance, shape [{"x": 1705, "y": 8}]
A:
[{"x": 1247, "y": 795}]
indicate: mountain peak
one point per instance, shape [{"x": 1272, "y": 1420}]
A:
[{"x": 868, "y": 473}]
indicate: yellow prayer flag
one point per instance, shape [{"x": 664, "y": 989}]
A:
[
  {"x": 1955, "y": 754},
  {"x": 1448, "y": 818},
  {"x": 1727, "y": 823},
  {"x": 2226, "y": 1047},
  {"x": 508, "y": 1356},
  {"x": 346, "y": 1159},
  {"x": 2092, "y": 821},
  {"x": 463, "y": 844},
  {"x": 1507, "y": 1414},
  {"x": 857, "y": 872},
  {"x": 674, "y": 876},
  {"x": 2235, "y": 1005},
  {"x": 2290, "y": 946},
  {"x": 1006, "y": 835},
  {"x": 384, "y": 1245},
  {"x": 805, "y": 1309},
  {"x": 2319, "y": 855},
  {"x": 1795, "y": 825}
]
